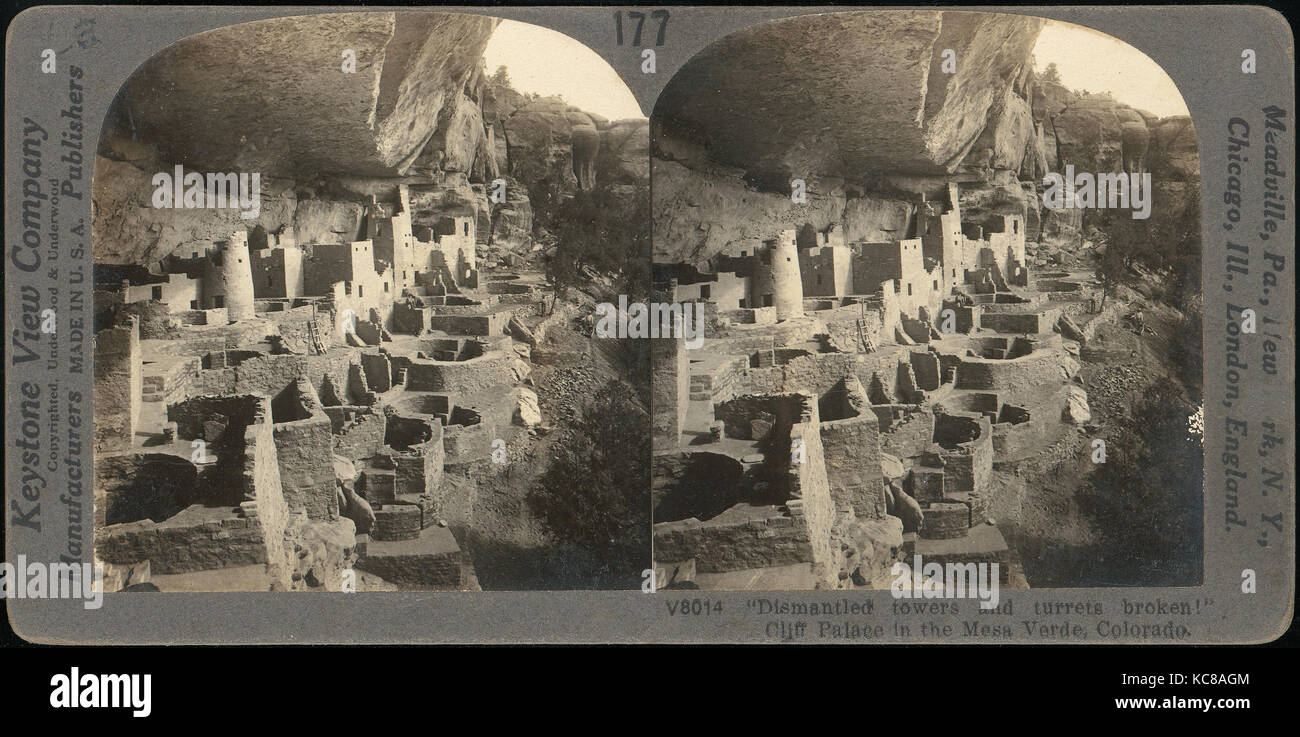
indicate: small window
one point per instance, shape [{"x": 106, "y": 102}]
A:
[
  {"x": 218, "y": 302},
  {"x": 909, "y": 289},
  {"x": 706, "y": 291},
  {"x": 157, "y": 293},
  {"x": 385, "y": 287},
  {"x": 361, "y": 290},
  {"x": 467, "y": 228},
  {"x": 347, "y": 288},
  {"x": 194, "y": 304},
  {"x": 1015, "y": 226},
  {"x": 936, "y": 285}
]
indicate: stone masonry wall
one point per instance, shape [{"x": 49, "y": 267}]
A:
[
  {"x": 775, "y": 540},
  {"x": 262, "y": 485},
  {"x": 117, "y": 386},
  {"x": 669, "y": 389},
  {"x": 810, "y": 496},
  {"x": 303, "y": 450},
  {"x": 473, "y": 375},
  {"x": 852, "y": 451},
  {"x": 358, "y": 432}
]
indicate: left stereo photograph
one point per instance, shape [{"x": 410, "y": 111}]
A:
[{"x": 347, "y": 270}]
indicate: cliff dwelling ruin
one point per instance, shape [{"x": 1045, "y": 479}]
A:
[
  {"x": 900, "y": 362},
  {"x": 357, "y": 388}
]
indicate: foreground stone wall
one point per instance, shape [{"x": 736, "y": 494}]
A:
[
  {"x": 905, "y": 431},
  {"x": 262, "y": 486},
  {"x": 468, "y": 443},
  {"x": 774, "y": 540},
  {"x": 179, "y": 545},
  {"x": 810, "y": 495},
  {"x": 269, "y": 375},
  {"x": 670, "y": 390},
  {"x": 967, "y": 465},
  {"x": 303, "y": 448},
  {"x": 117, "y": 386},
  {"x": 851, "y": 449},
  {"x": 1025, "y": 322},
  {"x": 231, "y": 413},
  {"x": 205, "y": 537}
]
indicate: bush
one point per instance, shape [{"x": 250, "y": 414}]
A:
[
  {"x": 594, "y": 493},
  {"x": 1146, "y": 499}
]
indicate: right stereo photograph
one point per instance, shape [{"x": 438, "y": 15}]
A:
[{"x": 946, "y": 268}]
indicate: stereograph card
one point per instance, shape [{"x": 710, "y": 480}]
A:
[{"x": 650, "y": 325}]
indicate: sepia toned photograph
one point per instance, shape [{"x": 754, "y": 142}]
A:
[
  {"x": 948, "y": 266},
  {"x": 609, "y": 325},
  {"x": 344, "y": 272}
]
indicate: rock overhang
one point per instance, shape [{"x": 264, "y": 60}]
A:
[
  {"x": 797, "y": 98},
  {"x": 251, "y": 96}
]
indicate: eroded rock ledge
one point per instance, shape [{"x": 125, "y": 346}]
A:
[
  {"x": 271, "y": 95},
  {"x": 858, "y": 105}
]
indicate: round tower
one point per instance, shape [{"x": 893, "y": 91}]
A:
[
  {"x": 237, "y": 277},
  {"x": 787, "y": 283}
]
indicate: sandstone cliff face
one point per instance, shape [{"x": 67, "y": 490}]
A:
[
  {"x": 843, "y": 93},
  {"x": 628, "y": 141},
  {"x": 698, "y": 215},
  {"x": 546, "y": 140},
  {"x": 1172, "y": 151},
  {"x": 547, "y": 137},
  {"x": 860, "y": 107},
  {"x": 540, "y": 140},
  {"x": 460, "y": 143},
  {"x": 1092, "y": 129},
  {"x": 271, "y": 95},
  {"x": 1095, "y": 133},
  {"x": 129, "y": 230},
  {"x": 512, "y": 220}
]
